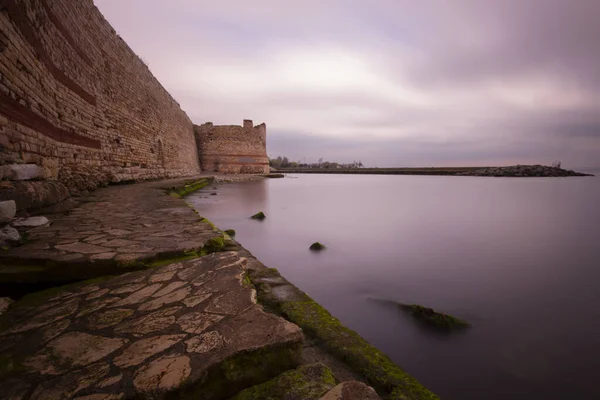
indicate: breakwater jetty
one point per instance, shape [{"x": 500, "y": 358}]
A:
[{"x": 521, "y": 171}]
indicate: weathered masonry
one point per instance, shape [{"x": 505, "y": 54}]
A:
[
  {"x": 233, "y": 148},
  {"x": 79, "y": 109},
  {"x": 76, "y": 100}
]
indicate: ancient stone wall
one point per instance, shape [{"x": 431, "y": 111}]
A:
[
  {"x": 76, "y": 101},
  {"x": 233, "y": 148}
]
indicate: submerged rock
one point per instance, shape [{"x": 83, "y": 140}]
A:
[
  {"x": 259, "y": 216},
  {"x": 317, "y": 246},
  {"x": 230, "y": 232},
  {"x": 434, "y": 318}
]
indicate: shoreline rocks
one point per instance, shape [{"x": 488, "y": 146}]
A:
[{"x": 523, "y": 171}]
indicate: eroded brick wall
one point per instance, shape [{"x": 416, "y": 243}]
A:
[
  {"x": 232, "y": 148},
  {"x": 76, "y": 100}
]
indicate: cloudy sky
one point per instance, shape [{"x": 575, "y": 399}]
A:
[{"x": 387, "y": 82}]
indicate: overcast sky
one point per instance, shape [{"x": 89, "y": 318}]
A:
[{"x": 387, "y": 82}]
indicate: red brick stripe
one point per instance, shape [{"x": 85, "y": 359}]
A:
[
  {"x": 25, "y": 116},
  {"x": 18, "y": 15},
  {"x": 236, "y": 163},
  {"x": 61, "y": 28},
  {"x": 233, "y": 155}
]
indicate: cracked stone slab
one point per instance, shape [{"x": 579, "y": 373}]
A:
[
  {"x": 142, "y": 349},
  {"x": 144, "y": 333}
]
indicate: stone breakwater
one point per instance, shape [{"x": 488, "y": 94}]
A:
[
  {"x": 523, "y": 171},
  {"x": 175, "y": 309}
]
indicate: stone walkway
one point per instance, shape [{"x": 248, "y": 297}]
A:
[
  {"x": 118, "y": 225},
  {"x": 146, "y": 333},
  {"x": 180, "y": 326}
]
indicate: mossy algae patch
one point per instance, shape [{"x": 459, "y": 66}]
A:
[
  {"x": 433, "y": 318},
  {"x": 259, "y": 216},
  {"x": 188, "y": 188},
  {"x": 308, "y": 382}
]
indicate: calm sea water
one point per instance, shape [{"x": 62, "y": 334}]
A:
[{"x": 517, "y": 258}]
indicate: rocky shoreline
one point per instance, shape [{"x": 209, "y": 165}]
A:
[{"x": 523, "y": 171}]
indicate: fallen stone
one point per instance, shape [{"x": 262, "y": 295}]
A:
[
  {"x": 351, "y": 390},
  {"x": 5, "y": 302},
  {"x": 30, "y": 222},
  {"x": 24, "y": 172},
  {"x": 9, "y": 235},
  {"x": 8, "y": 209},
  {"x": 34, "y": 194},
  {"x": 308, "y": 382}
]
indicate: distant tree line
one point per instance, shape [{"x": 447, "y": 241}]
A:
[{"x": 285, "y": 163}]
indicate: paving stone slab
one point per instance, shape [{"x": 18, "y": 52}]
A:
[{"x": 146, "y": 333}]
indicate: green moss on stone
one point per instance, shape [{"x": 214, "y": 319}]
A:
[
  {"x": 433, "y": 318},
  {"x": 241, "y": 371},
  {"x": 188, "y": 188},
  {"x": 214, "y": 245},
  {"x": 189, "y": 255},
  {"x": 259, "y": 216},
  {"x": 230, "y": 232},
  {"x": 207, "y": 221},
  {"x": 308, "y": 382},
  {"x": 246, "y": 280}
]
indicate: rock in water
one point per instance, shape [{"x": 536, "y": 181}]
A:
[
  {"x": 230, "y": 232},
  {"x": 316, "y": 246},
  {"x": 433, "y": 318},
  {"x": 259, "y": 216}
]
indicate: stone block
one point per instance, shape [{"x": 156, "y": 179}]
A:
[
  {"x": 8, "y": 209},
  {"x": 25, "y": 172},
  {"x": 34, "y": 194},
  {"x": 31, "y": 222},
  {"x": 9, "y": 235}
]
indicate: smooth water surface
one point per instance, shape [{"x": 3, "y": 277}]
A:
[{"x": 517, "y": 258}]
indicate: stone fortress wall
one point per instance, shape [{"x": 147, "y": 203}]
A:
[
  {"x": 232, "y": 148},
  {"x": 78, "y": 105}
]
